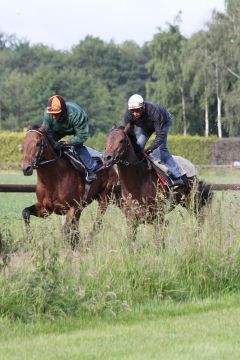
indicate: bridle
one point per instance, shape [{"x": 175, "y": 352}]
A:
[
  {"x": 118, "y": 160},
  {"x": 38, "y": 161}
]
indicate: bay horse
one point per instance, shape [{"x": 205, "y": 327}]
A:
[
  {"x": 60, "y": 187},
  {"x": 143, "y": 191}
]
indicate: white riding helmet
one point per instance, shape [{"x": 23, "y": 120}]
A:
[{"x": 135, "y": 102}]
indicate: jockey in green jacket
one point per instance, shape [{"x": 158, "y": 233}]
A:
[{"x": 67, "y": 118}]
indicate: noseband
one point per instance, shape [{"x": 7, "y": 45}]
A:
[{"x": 38, "y": 161}]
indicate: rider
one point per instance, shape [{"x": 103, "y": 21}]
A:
[
  {"x": 145, "y": 118},
  {"x": 68, "y": 118}
]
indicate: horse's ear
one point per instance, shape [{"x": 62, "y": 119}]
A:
[
  {"x": 127, "y": 128},
  {"x": 114, "y": 126}
]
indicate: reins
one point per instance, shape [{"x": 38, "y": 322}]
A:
[{"x": 38, "y": 162}]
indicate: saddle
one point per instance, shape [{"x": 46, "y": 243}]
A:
[
  {"x": 72, "y": 156},
  {"x": 163, "y": 173}
]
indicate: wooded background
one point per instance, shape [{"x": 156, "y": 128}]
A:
[{"x": 196, "y": 78}]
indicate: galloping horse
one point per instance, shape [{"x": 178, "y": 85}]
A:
[
  {"x": 142, "y": 189},
  {"x": 60, "y": 187}
]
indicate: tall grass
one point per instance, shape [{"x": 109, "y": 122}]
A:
[{"x": 107, "y": 274}]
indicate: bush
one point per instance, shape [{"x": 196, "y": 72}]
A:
[{"x": 194, "y": 148}]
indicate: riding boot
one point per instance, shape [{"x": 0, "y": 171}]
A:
[{"x": 179, "y": 181}]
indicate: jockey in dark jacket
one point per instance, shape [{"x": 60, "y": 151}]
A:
[
  {"x": 66, "y": 118},
  {"x": 146, "y": 118}
]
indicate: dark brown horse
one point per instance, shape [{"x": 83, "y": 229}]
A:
[
  {"x": 144, "y": 192},
  {"x": 60, "y": 187}
]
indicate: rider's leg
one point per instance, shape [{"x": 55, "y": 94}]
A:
[
  {"x": 167, "y": 159},
  {"x": 142, "y": 136},
  {"x": 89, "y": 162}
]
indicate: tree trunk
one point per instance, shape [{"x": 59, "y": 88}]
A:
[
  {"x": 219, "y": 116},
  {"x": 219, "y": 103},
  {"x": 206, "y": 116},
  {"x": 184, "y": 113}
]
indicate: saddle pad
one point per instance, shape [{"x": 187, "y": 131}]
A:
[
  {"x": 185, "y": 166},
  {"x": 78, "y": 164}
]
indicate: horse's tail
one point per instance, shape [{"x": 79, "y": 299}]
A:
[{"x": 204, "y": 194}]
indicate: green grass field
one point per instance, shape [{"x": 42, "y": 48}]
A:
[
  {"x": 104, "y": 301},
  {"x": 200, "y": 330}
]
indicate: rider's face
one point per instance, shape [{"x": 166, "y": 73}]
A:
[
  {"x": 137, "y": 113},
  {"x": 57, "y": 117}
]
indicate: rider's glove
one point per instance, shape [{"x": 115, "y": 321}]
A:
[
  {"x": 147, "y": 152},
  {"x": 59, "y": 146}
]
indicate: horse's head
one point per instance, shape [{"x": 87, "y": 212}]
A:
[
  {"x": 117, "y": 146},
  {"x": 35, "y": 146}
]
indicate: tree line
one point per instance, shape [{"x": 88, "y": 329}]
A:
[{"x": 196, "y": 78}]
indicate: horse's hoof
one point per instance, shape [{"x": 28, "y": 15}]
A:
[{"x": 26, "y": 214}]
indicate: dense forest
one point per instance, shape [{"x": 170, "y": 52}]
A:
[{"x": 196, "y": 78}]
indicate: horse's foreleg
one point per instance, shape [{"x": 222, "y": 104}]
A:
[
  {"x": 35, "y": 210},
  {"x": 71, "y": 226},
  {"x": 26, "y": 215},
  {"x": 132, "y": 227}
]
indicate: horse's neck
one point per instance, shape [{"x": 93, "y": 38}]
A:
[
  {"x": 135, "y": 178},
  {"x": 131, "y": 156},
  {"x": 56, "y": 170},
  {"x": 49, "y": 153}
]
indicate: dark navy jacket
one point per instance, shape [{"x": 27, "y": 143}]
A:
[{"x": 154, "y": 119}]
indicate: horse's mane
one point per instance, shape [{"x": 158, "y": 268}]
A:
[
  {"x": 34, "y": 127},
  {"x": 44, "y": 130}
]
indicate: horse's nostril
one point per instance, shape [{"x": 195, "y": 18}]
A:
[
  {"x": 27, "y": 170},
  {"x": 107, "y": 157}
]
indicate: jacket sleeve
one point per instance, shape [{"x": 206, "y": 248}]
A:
[
  {"x": 160, "y": 129},
  {"x": 128, "y": 120},
  {"x": 81, "y": 129}
]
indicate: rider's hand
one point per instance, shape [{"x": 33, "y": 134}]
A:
[
  {"x": 146, "y": 153},
  {"x": 60, "y": 145}
]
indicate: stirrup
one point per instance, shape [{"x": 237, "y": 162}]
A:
[{"x": 90, "y": 177}]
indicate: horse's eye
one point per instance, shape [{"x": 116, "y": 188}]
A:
[
  {"x": 121, "y": 141},
  {"x": 38, "y": 143}
]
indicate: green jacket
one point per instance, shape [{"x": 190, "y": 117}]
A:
[{"x": 75, "y": 123}]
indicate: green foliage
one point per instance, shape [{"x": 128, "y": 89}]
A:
[
  {"x": 48, "y": 280},
  {"x": 97, "y": 142},
  {"x": 188, "y": 76},
  {"x": 11, "y": 148},
  {"x": 97, "y": 75},
  {"x": 194, "y": 148},
  {"x": 7, "y": 246}
]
